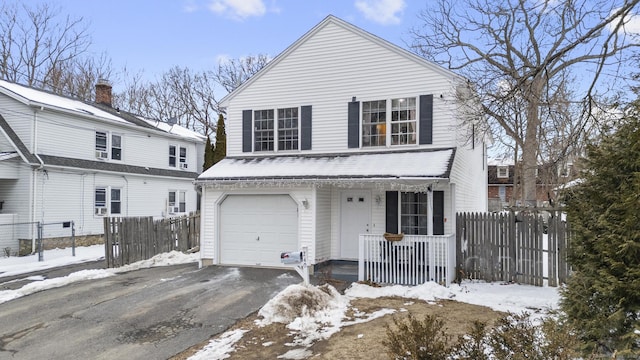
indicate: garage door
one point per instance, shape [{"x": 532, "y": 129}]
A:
[{"x": 254, "y": 229}]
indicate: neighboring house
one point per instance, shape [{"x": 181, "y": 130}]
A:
[
  {"x": 65, "y": 160},
  {"x": 341, "y": 135},
  {"x": 503, "y": 185}
]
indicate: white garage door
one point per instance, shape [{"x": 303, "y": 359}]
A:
[{"x": 255, "y": 229}]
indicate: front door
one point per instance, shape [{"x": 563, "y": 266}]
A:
[{"x": 355, "y": 209}]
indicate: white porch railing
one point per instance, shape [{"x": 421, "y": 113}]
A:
[{"x": 414, "y": 260}]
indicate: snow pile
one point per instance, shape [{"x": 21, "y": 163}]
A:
[
  {"x": 219, "y": 348},
  {"x": 164, "y": 259},
  {"x": 314, "y": 313},
  {"x": 16, "y": 265}
]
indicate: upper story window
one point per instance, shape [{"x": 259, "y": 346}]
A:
[
  {"x": 503, "y": 171},
  {"x": 399, "y": 115},
  {"x": 403, "y": 121},
  {"x": 263, "y": 124},
  {"x": 103, "y": 144},
  {"x": 374, "y": 123},
  {"x": 116, "y": 147},
  {"x": 288, "y": 129},
  {"x": 178, "y": 155},
  {"x": 183, "y": 157}
]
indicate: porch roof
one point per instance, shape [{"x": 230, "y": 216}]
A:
[{"x": 422, "y": 164}]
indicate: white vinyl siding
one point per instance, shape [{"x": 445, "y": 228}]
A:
[{"x": 327, "y": 71}]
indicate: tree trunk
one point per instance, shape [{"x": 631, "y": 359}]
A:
[{"x": 530, "y": 146}]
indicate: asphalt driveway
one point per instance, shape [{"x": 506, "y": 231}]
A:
[{"x": 144, "y": 314}]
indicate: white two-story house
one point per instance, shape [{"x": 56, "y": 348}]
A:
[
  {"x": 63, "y": 160},
  {"x": 339, "y": 139}
]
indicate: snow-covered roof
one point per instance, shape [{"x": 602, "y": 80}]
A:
[
  {"x": 412, "y": 164},
  {"x": 33, "y": 96},
  {"x": 174, "y": 129}
]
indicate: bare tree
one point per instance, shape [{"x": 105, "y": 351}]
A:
[
  {"x": 78, "y": 77},
  {"x": 180, "y": 94},
  {"x": 37, "y": 42},
  {"x": 522, "y": 52},
  {"x": 234, "y": 72}
]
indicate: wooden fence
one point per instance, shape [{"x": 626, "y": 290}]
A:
[
  {"x": 527, "y": 248},
  {"x": 131, "y": 239}
]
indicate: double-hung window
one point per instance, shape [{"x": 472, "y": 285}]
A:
[
  {"x": 107, "y": 200},
  {"x": 116, "y": 147},
  {"x": 374, "y": 123},
  {"x": 177, "y": 201},
  {"x": 403, "y": 121},
  {"x": 104, "y": 142},
  {"x": 288, "y": 129},
  {"x": 276, "y": 130},
  {"x": 183, "y": 157},
  {"x": 172, "y": 155},
  {"x": 263, "y": 124},
  {"x": 399, "y": 115}
]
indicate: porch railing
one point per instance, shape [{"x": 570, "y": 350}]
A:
[{"x": 414, "y": 260}]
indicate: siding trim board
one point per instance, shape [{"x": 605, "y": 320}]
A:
[{"x": 112, "y": 167}]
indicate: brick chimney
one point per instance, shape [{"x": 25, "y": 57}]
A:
[{"x": 103, "y": 92}]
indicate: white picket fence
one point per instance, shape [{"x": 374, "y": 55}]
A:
[{"x": 413, "y": 260}]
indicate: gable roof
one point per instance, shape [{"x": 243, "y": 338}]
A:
[
  {"x": 389, "y": 165},
  {"x": 17, "y": 144},
  {"x": 330, "y": 19}
]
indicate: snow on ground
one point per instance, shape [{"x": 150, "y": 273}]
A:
[
  {"x": 324, "y": 315},
  {"x": 60, "y": 257}
]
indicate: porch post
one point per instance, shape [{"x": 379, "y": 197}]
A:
[{"x": 430, "y": 211}]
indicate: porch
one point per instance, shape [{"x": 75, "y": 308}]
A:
[{"x": 411, "y": 261}]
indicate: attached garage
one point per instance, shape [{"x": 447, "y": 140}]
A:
[{"x": 255, "y": 229}]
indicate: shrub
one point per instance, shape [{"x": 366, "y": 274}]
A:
[{"x": 418, "y": 340}]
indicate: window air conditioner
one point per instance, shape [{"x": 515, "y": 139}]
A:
[
  {"x": 102, "y": 154},
  {"x": 101, "y": 211},
  {"x": 174, "y": 209},
  {"x": 183, "y": 165}
]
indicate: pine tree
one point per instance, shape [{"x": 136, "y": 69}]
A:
[
  {"x": 221, "y": 141},
  {"x": 208, "y": 155},
  {"x": 602, "y": 297}
]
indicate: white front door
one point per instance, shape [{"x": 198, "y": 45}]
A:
[{"x": 355, "y": 210}]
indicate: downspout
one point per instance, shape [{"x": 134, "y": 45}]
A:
[
  {"x": 34, "y": 176},
  {"x": 127, "y": 187}
]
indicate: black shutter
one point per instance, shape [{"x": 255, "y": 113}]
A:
[
  {"x": 246, "y": 131},
  {"x": 353, "y": 128},
  {"x": 438, "y": 213},
  {"x": 426, "y": 119},
  {"x": 305, "y": 127},
  {"x": 392, "y": 212}
]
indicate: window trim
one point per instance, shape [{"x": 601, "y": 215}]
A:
[
  {"x": 105, "y": 207},
  {"x": 174, "y": 156},
  {"x": 179, "y": 201},
  {"x": 505, "y": 169},
  {"x": 389, "y": 123},
  {"x": 275, "y": 130}
]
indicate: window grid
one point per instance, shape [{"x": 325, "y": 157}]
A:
[
  {"x": 374, "y": 123},
  {"x": 413, "y": 216},
  {"x": 403, "y": 121},
  {"x": 503, "y": 171},
  {"x": 263, "y": 130},
  {"x": 288, "y": 129}
]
